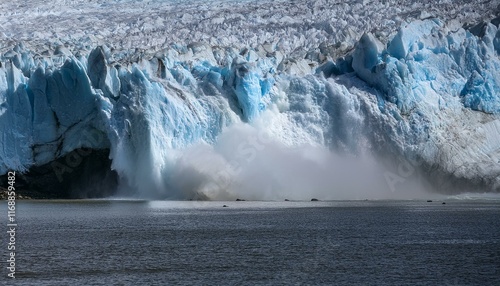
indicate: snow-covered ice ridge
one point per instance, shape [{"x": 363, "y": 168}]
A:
[{"x": 429, "y": 92}]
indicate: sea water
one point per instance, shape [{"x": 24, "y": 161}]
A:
[{"x": 113, "y": 242}]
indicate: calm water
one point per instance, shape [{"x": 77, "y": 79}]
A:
[{"x": 256, "y": 243}]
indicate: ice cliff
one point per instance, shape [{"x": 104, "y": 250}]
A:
[{"x": 429, "y": 95}]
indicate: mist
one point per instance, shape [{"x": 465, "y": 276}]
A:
[{"x": 249, "y": 162}]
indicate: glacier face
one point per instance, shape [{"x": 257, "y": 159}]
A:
[{"x": 196, "y": 120}]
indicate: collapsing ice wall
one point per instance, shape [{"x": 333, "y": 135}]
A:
[{"x": 429, "y": 95}]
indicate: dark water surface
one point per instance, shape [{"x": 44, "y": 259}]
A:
[{"x": 255, "y": 243}]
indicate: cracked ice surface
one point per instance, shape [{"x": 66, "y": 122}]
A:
[{"x": 134, "y": 27}]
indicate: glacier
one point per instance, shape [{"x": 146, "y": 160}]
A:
[{"x": 221, "y": 121}]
